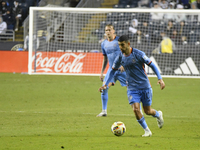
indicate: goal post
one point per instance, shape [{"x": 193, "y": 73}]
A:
[{"x": 67, "y": 41}]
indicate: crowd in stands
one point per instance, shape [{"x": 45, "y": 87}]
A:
[
  {"x": 163, "y": 4},
  {"x": 13, "y": 12},
  {"x": 148, "y": 27}
]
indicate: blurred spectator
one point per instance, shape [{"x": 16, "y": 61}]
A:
[
  {"x": 198, "y": 5},
  {"x": 180, "y": 16},
  {"x": 176, "y": 2},
  {"x": 193, "y": 4},
  {"x": 3, "y": 26},
  {"x": 176, "y": 37},
  {"x": 166, "y": 45},
  {"x": 9, "y": 19},
  {"x": 139, "y": 37},
  {"x": 171, "y": 5},
  {"x": 156, "y": 16},
  {"x": 10, "y": 3},
  {"x": 193, "y": 37},
  {"x": 133, "y": 27},
  {"x": 17, "y": 12},
  {"x": 182, "y": 30},
  {"x": 170, "y": 16},
  {"x": 184, "y": 40},
  {"x": 170, "y": 27},
  {"x": 163, "y": 4},
  {"x": 3, "y": 8},
  {"x": 186, "y": 4},
  {"x": 143, "y": 3},
  {"x": 152, "y": 3},
  {"x": 145, "y": 30}
]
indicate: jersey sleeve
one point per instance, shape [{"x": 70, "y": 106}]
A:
[
  {"x": 116, "y": 65},
  {"x": 148, "y": 61},
  {"x": 117, "y": 62},
  {"x": 155, "y": 69},
  {"x": 110, "y": 76}
]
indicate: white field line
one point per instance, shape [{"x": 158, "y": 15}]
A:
[
  {"x": 165, "y": 116},
  {"x": 110, "y": 114}
]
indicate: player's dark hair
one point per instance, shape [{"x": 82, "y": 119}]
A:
[
  {"x": 124, "y": 38},
  {"x": 110, "y": 25}
]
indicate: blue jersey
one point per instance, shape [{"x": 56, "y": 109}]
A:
[
  {"x": 111, "y": 50},
  {"x": 135, "y": 69}
]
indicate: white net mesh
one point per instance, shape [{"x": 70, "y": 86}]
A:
[{"x": 73, "y": 36}]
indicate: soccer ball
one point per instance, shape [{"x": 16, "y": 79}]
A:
[{"x": 118, "y": 128}]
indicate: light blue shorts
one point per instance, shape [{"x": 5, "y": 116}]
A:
[
  {"x": 137, "y": 96},
  {"x": 120, "y": 76}
]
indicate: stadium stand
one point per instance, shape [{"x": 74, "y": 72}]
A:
[{"x": 94, "y": 27}]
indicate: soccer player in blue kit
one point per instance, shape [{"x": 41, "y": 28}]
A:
[
  {"x": 139, "y": 88},
  {"x": 110, "y": 50}
]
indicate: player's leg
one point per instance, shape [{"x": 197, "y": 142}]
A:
[
  {"x": 154, "y": 113},
  {"x": 147, "y": 100},
  {"x": 104, "y": 100},
  {"x": 121, "y": 77},
  {"x": 104, "y": 97},
  {"x": 134, "y": 100},
  {"x": 104, "y": 94}
]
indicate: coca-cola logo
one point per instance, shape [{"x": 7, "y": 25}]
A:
[{"x": 59, "y": 64}]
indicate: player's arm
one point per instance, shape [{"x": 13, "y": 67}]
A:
[
  {"x": 111, "y": 74},
  {"x": 148, "y": 61},
  {"x": 115, "y": 67},
  {"x": 104, "y": 64},
  {"x": 105, "y": 61},
  {"x": 156, "y": 71}
]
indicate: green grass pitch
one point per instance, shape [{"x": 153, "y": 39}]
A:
[{"x": 44, "y": 112}]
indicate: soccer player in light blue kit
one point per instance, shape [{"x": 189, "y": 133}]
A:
[
  {"x": 139, "y": 88},
  {"x": 110, "y": 50}
]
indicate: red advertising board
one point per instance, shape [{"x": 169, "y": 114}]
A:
[
  {"x": 52, "y": 62},
  {"x": 13, "y": 61}
]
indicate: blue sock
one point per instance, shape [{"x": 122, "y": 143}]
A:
[
  {"x": 143, "y": 123},
  {"x": 157, "y": 114},
  {"x": 104, "y": 99}
]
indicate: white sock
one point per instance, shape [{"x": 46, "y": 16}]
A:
[
  {"x": 104, "y": 111},
  {"x": 147, "y": 129}
]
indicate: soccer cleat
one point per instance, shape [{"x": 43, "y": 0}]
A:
[
  {"x": 102, "y": 114},
  {"x": 160, "y": 120},
  {"x": 147, "y": 134}
]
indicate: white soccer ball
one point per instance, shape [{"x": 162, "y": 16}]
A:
[{"x": 118, "y": 128}]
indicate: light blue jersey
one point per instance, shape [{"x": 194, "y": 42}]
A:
[
  {"x": 111, "y": 50},
  {"x": 135, "y": 69}
]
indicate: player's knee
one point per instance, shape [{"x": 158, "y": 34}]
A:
[{"x": 136, "y": 110}]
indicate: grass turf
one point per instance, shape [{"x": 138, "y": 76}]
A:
[{"x": 59, "y": 112}]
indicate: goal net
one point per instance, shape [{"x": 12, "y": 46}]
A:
[{"x": 68, "y": 40}]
